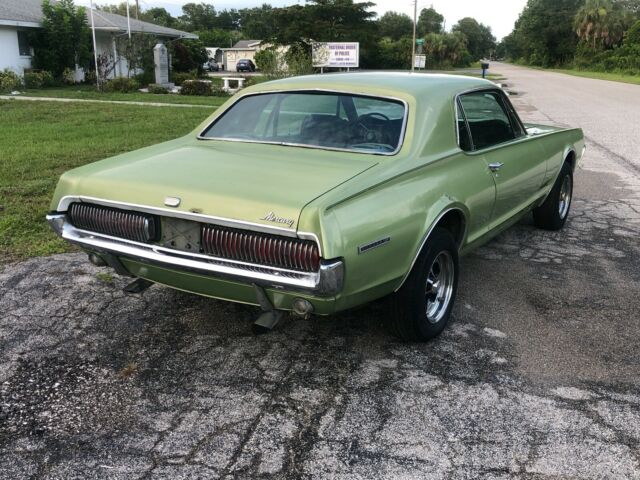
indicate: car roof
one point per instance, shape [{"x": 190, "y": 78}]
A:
[{"x": 414, "y": 84}]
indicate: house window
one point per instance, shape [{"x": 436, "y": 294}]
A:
[{"x": 23, "y": 44}]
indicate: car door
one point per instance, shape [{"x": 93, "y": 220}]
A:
[{"x": 516, "y": 162}]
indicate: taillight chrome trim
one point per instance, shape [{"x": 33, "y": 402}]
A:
[{"x": 327, "y": 281}]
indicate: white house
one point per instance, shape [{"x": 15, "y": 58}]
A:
[
  {"x": 18, "y": 16},
  {"x": 242, "y": 50},
  {"x": 247, "y": 49}
]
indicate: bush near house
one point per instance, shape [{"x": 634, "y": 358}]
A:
[
  {"x": 39, "y": 79},
  {"x": 179, "y": 77},
  {"x": 122, "y": 85},
  {"x": 64, "y": 39},
  {"x": 196, "y": 87},
  {"x": 157, "y": 89},
  {"x": 9, "y": 81}
]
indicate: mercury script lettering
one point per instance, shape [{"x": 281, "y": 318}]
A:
[{"x": 272, "y": 217}]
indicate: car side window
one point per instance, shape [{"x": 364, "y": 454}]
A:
[
  {"x": 489, "y": 121},
  {"x": 464, "y": 139}
]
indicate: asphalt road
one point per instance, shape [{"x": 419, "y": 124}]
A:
[{"x": 538, "y": 375}]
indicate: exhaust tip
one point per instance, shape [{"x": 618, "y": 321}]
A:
[
  {"x": 97, "y": 260},
  {"x": 302, "y": 308}
]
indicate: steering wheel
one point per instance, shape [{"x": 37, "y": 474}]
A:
[
  {"x": 364, "y": 116},
  {"x": 370, "y": 135}
]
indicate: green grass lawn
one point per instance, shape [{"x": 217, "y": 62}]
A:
[
  {"x": 88, "y": 92},
  {"x": 614, "y": 77},
  {"x": 41, "y": 140}
]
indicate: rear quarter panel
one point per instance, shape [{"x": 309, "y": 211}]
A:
[{"x": 403, "y": 209}]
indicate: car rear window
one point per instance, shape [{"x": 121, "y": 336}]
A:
[{"x": 324, "y": 120}]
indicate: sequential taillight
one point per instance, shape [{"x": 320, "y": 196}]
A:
[
  {"x": 260, "y": 248},
  {"x": 114, "y": 222}
]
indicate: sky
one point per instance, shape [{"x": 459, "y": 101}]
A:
[{"x": 500, "y": 15}]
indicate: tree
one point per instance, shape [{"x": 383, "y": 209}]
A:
[
  {"x": 216, "y": 37},
  {"x": 120, "y": 9},
  {"x": 446, "y": 50},
  {"x": 138, "y": 52},
  {"x": 633, "y": 35},
  {"x": 187, "y": 55},
  {"x": 544, "y": 33},
  {"x": 159, "y": 16},
  {"x": 480, "y": 40},
  {"x": 395, "y": 25},
  {"x": 198, "y": 16},
  {"x": 339, "y": 20},
  {"x": 602, "y": 23},
  {"x": 64, "y": 40},
  {"x": 258, "y": 22},
  {"x": 429, "y": 21},
  {"x": 394, "y": 54}
]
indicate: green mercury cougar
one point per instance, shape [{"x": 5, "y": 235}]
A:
[{"x": 317, "y": 194}]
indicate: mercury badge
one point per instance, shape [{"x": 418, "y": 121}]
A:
[
  {"x": 171, "y": 201},
  {"x": 272, "y": 217}
]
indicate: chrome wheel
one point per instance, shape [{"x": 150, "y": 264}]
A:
[
  {"x": 439, "y": 286},
  {"x": 565, "y": 196}
]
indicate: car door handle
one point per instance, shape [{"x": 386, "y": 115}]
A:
[{"x": 494, "y": 167}]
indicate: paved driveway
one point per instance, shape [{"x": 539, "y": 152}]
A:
[{"x": 538, "y": 374}]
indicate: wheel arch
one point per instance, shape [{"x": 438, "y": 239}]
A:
[
  {"x": 454, "y": 219},
  {"x": 569, "y": 156}
]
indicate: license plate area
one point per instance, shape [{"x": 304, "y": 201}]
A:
[{"x": 183, "y": 235}]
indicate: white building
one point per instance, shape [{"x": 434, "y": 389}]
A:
[{"x": 18, "y": 16}]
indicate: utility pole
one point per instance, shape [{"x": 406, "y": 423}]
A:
[
  {"x": 137, "y": 8},
  {"x": 413, "y": 45}
]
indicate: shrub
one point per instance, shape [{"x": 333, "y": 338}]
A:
[
  {"x": 180, "y": 77},
  {"x": 145, "y": 78},
  {"x": 38, "y": 79},
  {"x": 69, "y": 76},
  {"x": 633, "y": 35},
  {"x": 122, "y": 85},
  {"x": 9, "y": 81},
  {"x": 158, "y": 89},
  {"x": 196, "y": 87}
]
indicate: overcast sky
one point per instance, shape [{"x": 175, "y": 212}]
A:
[{"x": 500, "y": 15}]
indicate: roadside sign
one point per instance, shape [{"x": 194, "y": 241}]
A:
[
  {"x": 335, "y": 54},
  {"x": 420, "y": 41},
  {"x": 421, "y": 61}
]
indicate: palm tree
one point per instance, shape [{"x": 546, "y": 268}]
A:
[{"x": 601, "y": 23}]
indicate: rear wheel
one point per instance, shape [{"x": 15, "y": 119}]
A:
[
  {"x": 553, "y": 213},
  {"x": 421, "y": 308}
]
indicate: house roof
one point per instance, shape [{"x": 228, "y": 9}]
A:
[
  {"x": 28, "y": 13},
  {"x": 247, "y": 44}
]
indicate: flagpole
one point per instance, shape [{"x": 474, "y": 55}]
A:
[
  {"x": 413, "y": 45},
  {"x": 128, "y": 20},
  {"x": 95, "y": 50}
]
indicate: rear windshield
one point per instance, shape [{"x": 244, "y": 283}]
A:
[{"x": 324, "y": 120}]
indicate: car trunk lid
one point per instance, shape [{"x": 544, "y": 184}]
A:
[{"x": 257, "y": 183}]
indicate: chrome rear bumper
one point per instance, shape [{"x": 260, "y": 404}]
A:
[{"x": 328, "y": 281}]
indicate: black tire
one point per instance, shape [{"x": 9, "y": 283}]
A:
[
  {"x": 408, "y": 317},
  {"x": 553, "y": 213}
]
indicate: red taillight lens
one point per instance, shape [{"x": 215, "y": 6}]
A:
[{"x": 260, "y": 248}]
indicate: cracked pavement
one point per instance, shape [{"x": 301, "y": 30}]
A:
[{"x": 537, "y": 376}]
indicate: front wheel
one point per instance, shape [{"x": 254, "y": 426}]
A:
[
  {"x": 553, "y": 213},
  {"x": 421, "y": 308}
]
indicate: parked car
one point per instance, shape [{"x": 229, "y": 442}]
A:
[
  {"x": 322, "y": 193},
  {"x": 245, "y": 65},
  {"x": 210, "y": 66}
]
